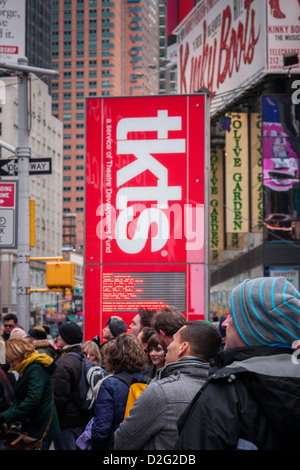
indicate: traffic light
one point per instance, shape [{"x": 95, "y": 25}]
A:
[{"x": 60, "y": 274}]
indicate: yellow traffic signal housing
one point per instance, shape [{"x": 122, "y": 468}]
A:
[
  {"x": 32, "y": 222},
  {"x": 60, "y": 274}
]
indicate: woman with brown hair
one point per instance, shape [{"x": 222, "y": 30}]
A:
[
  {"x": 32, "y": 403},
  {"x": 156, "y": 353},
  {"x": 123, "y": 354}
]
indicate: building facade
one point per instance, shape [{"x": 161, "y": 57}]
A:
[
  {"x": 253, "y": 84},
  {"x": 100, "y": 48},
  {"x": 38, "y": 37}
]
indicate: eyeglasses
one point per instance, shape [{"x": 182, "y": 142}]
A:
[{"x": 8, "y": 325}]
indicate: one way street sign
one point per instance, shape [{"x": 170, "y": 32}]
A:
[{"x": 38, "y": 166}]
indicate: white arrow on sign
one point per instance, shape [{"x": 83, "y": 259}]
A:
[
  {"x": 37, "y": 166},
  {"x": 10, "y": 168}
]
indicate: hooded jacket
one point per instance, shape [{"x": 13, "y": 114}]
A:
[
  {"x": 251, "y": 401},
  {"x": 33, "y": 404},
  {"x": 152, "y": 423}
]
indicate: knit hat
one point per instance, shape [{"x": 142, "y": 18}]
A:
[
  {"x": 266, "y": 311},
  {"x": 117, "y": 327},
  {"x": 37, "y": 333},
  {"x": 71, "y": 333},
  {"x": 17, "y": 333}
]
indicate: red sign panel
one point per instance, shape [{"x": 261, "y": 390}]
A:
[
  {"x": 144, "y": 221},
  {"x": 8, "y": 194}
]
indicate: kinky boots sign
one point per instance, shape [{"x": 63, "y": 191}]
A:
[{"x": 237, "y": 188}]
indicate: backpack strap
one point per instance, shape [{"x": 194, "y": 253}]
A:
[
  {"x": 127, "y": 380},
  {"x": 74, "y": 354}
]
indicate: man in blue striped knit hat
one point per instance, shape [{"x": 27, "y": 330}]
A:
[{"x": 252, "y": 398}]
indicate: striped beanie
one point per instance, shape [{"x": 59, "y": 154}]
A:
[{"x": 266, "y": 311}]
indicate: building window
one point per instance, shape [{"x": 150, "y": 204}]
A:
[
  {"x": 80, "y": 14},
  {"x": 79, "y": 45}
]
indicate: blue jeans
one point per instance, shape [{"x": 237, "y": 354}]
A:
[{"x": 67, "y": 439}]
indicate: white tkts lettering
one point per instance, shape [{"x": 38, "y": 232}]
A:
[{"x": 162, "y": 193}]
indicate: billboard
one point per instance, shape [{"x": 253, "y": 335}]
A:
[
  {"x": 145, "y": 230},
  {"x": 281, "y": 167},
  {"x": 12, "y": 29},
  {"x": 283, "y": 33},
  {"x": 221, "y": 46},
  {"x": 228, "y": 47}
]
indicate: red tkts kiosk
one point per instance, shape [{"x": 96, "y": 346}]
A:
[{"x": 145, "y": 207}]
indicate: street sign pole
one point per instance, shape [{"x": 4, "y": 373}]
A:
[{"x": 23, "y": 152}]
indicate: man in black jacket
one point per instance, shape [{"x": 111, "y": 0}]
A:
[
  {"x": 72, "y": 420},
  {"x": 252, "y": 398}
]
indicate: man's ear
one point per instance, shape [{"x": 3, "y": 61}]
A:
[
  {"x": 184, "y": 349},
  {"x": 162, "y": 333}
]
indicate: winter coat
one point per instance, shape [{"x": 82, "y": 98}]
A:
[
  {"x": 251, "y": 401},
  {"x": 109, "y": 410},
  {"x": 46, "y": 346},
  {"x": 65, "y": 380},
  {"x": 32, "y": 403},
  {"x": 152, "y": 423}
]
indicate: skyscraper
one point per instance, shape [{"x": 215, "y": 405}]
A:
[
  {"x": 38, "y": 33},
  {"x": 100, "y": 48}
]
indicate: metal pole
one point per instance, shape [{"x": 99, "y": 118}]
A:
[{"x": 23, "y": 153}]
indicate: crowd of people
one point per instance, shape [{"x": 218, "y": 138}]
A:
[{"x": 226, "y": 386}]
